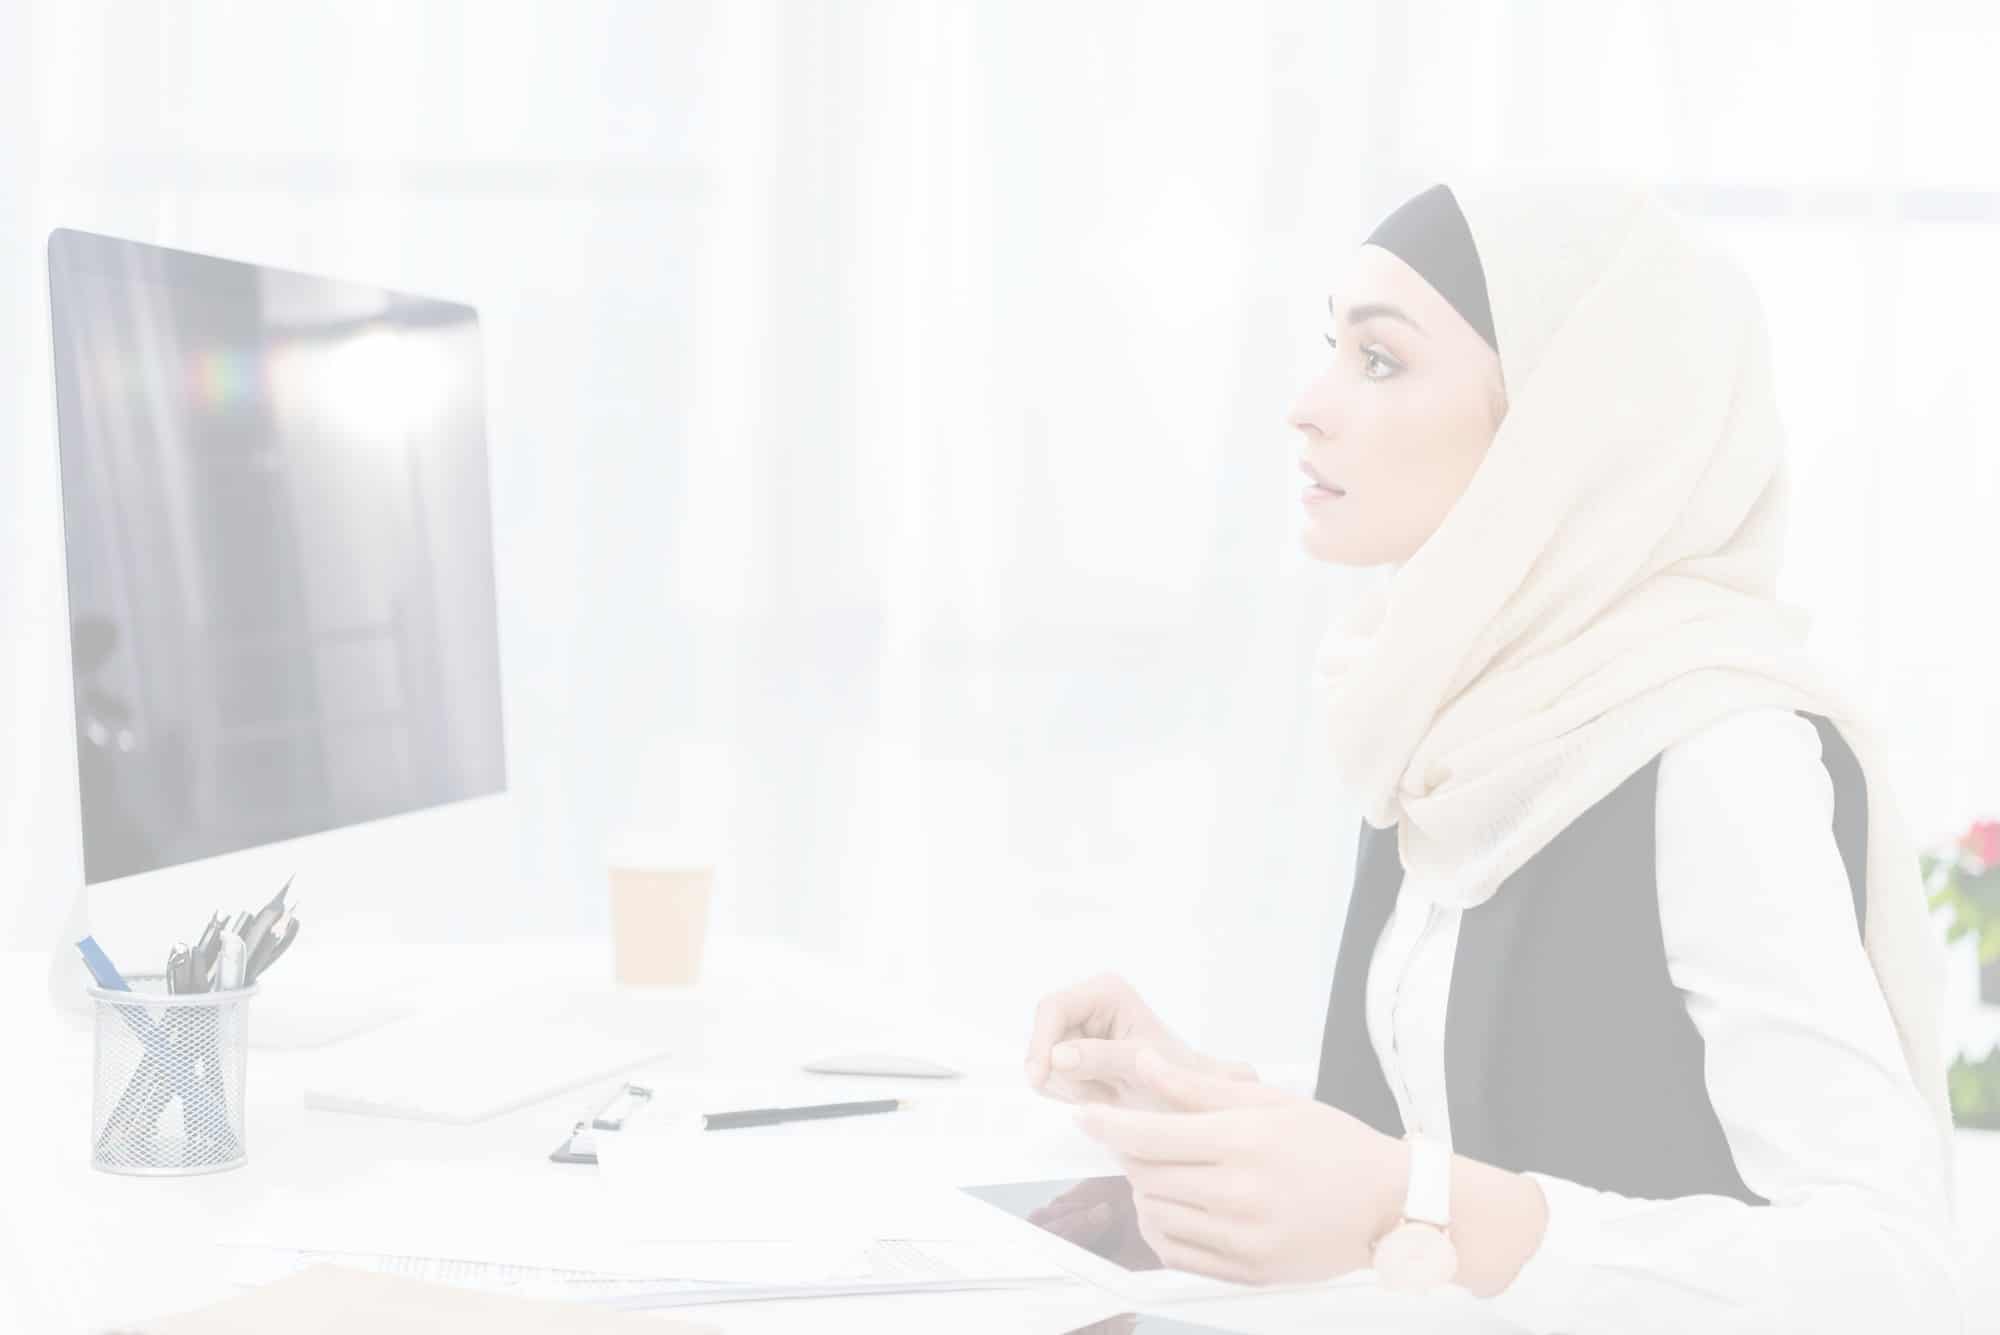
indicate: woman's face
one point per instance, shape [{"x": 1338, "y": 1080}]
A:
[{"x": 1399, "y": 420}]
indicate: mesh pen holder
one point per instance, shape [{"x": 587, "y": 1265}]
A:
[{"x": 167, "y": 1085}]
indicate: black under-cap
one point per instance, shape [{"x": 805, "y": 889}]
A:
[{"x": 1428, "y": 232}]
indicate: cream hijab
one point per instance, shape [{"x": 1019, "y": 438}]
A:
[{"x": 1606, "y": 584}]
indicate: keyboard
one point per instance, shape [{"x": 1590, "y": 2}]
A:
[{"x": 468, "y": 1065}]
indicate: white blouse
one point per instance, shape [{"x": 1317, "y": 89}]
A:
[{"x": 1803, "y": 1067}]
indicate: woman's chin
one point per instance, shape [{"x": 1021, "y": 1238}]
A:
[
  {"x": 1341, "y": 551},
  {"x": 1349, "y": 547}
]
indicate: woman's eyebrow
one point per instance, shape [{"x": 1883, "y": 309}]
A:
[{"x": 1372, "y": 310}]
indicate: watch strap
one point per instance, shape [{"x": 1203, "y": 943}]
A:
[{"x": 1428, "y": 1198}]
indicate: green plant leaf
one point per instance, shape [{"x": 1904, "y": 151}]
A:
[{"x": 1975, "y": 1090}]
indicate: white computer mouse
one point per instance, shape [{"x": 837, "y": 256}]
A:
[{"x": 879, "y": 1063}]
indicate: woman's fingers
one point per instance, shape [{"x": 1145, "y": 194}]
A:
[
  {"x": 1089, "y": 1008},
  {"x": 1203, "y": 1187},
  {"x": 1159, "y": 1137},
  {"x": 1234, "y": 1070},
  {"x": 1107, "y": 1059},
  {"x": 1191, "y": 1090},
  {"x": 1067, "y": 1090},
  {"x": 1201, "y": 1261},
  {"x": 1186, "y": 1238},
  {"x": 1116, "y": 1061},
  {"x": 1177, "y": 1221},
  {"x": 1052, "y": 1020}
]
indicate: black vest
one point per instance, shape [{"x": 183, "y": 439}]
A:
[{"x": 1568, "y": 1049}]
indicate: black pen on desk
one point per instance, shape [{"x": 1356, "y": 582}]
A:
[{"x": 724, "y": 1121}]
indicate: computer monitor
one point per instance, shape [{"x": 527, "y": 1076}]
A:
[{"x": 284, "y": 644}]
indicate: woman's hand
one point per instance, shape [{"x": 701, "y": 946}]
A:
[
  {"x": 1247, "y": 1183},
  {"x": 1087, "y": 1037}
]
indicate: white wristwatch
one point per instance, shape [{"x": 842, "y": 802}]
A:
[{"x": 1417, "y": 1255}]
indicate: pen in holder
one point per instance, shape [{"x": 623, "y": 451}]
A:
[{"x": 167, "y": 1089}]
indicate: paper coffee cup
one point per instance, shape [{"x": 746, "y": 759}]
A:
[{"x": 661, "y": 887}]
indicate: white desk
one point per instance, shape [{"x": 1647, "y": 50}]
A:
[{"x": 82, "y": 1250}]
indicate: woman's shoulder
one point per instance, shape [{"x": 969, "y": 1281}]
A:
[
  {"x": 1745, "y": 842},
  {"x": 1746, "y": 735},
  {"x": 1750, "y": 759}
]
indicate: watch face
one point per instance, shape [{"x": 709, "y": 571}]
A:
[{"x": 1415, "y": 1258}]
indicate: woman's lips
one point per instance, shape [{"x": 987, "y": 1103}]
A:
[{"x": 1318, "y": 495}]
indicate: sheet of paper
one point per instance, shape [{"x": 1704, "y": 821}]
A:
[
  {"x": 767, "y": 1267},
  {"x": 888, "y": 1175},
  {"x": 325, "y": 1300},
  {"x": 501, "y": 1208},
  {"x": 510, "y": 1212},
  {"x": 250, "y": 1265},
  {"x": 613, "y": 1264},
  {"x": 531, "y": 1214}
]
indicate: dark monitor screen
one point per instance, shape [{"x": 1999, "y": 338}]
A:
[{"x": 278, "y": 535}]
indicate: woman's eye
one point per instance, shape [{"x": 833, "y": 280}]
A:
[{"x": 1372, "y": 356}]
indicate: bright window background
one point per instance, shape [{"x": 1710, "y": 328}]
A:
[{"x": 888, "y": 406}]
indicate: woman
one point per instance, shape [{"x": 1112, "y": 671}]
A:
[{"x": 1633, "y": 1019}]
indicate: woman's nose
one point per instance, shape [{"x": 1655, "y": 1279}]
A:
[{"x": 1313, "y": 412}]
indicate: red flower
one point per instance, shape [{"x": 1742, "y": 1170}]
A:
[{"x": 1982, "y": 841}]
